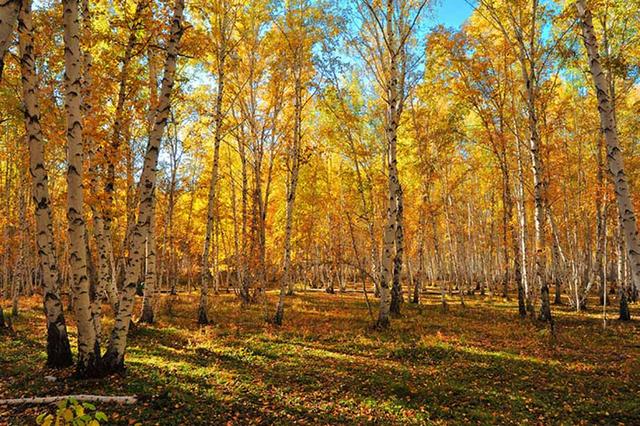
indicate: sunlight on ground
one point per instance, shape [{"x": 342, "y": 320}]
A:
[{"x": 326, "y": 366}]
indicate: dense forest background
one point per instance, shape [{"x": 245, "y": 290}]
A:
[{"x": 249, "y": 152}]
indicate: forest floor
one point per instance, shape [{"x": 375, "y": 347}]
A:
[{"x": 479, "y": 365}]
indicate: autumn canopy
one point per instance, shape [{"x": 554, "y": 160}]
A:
[{"x": 334, "y": 181}]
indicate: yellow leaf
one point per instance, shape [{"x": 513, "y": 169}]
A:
[{"x": 67, "y": 414}]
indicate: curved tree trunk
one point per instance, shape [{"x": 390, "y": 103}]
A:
[
  {"x": 112, "y": 153},
  {"x": 114, "y": 357},
  {"x": 626, "y": 209}
]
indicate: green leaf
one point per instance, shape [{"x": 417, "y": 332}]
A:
[
  {"x": 101, "y": 416},
  {"x": 40, "y": 418},
  {"x": 88, "y": 406}
]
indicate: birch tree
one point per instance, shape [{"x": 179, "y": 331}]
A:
[
  {"x": 626, "y": 210},
  {"x": 113, "y": 148},
  {"x": 88, "y": 363},
  {"x": 58, "y": 348},
  {"x": 523, "y": 31},
  {"x": 9, "y": 10},
  {"x": 222, "y": 23},
  {"x": 299, "y": 39},
  {"x": 150, "y": 279},
  {"x": 114, "y": 357},
  {"x": 387, "y": 32}
]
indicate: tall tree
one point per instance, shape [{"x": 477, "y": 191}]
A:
[
  {"x": 88, "y": 363},
  {"x": 114, "y": 357},
  {"x": 58, "y": 348},
  {"x": 608, "y": 124},
  {"x": 388, "y": 30},
  {"x": 9, "y": 10},
  {"x": 523, "y": 31},
  {"x": 223, "y": 19},
  {"x": 295, "y": 30}
]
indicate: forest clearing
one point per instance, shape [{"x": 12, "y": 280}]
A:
[
  {"x": 319, "y": 212},
  {"x": 323, "y": 366}
]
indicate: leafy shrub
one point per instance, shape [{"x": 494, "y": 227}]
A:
[{"x": 72, "y": 412}]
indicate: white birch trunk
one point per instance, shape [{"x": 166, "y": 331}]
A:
[
  {"x": 391, "y": 129},
  {"x": 615, "y": 160},
  {"x": 58, "y": 349},
  {"x": 150, "y": 279},
  {"x": 88, "y": 362},
  {"x": 112, "y": 153},
  {"x": 9, "y": 10},
  {"x": 203, "y": 317},
  {"x": 294, "y": 158},
  {"x": 114, "y": 357}
]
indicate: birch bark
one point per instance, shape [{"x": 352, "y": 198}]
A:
[
  {"x": 615, "y": 160},
  {"x": 88, "y": 363},
  {"x": 224, "y": 25},
  {"x": 294, "y": 158},
  {"x": 58, "y": 348},
  {"x": 150, "y": 279},
  {"x": 114, "y": 357},
  {"x": 9, "y": 11}
]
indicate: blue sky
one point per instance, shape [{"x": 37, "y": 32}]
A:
[{"x": 451, "y": 13}]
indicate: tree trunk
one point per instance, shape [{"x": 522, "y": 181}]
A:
[
  {"x": 390, "y": 233},
  {"x": 528, "y": 68},
  {"x": 114, "y": 357},
  {"x": 507, "y": 211},
  {"x": 419, "y": 278},
  {"x": 522, "y": 237},
  {"x": 99, "y": 278},
  {"x": 88, "y": 363},
  {"x": 19, "y": 283},
  {"x": 203, "y": 317},
  {"x": 6, "y": 231},
  {"x": 396, "y": 289},
  {"x": 626, "y": 209},
  {"x": 150, "y": 279},
  {"x": 113, "y": 153},
  {"x": 514, "y": 241},
  {"x": 8, "y": 15},
  {"x": 294, "y": 157}
]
